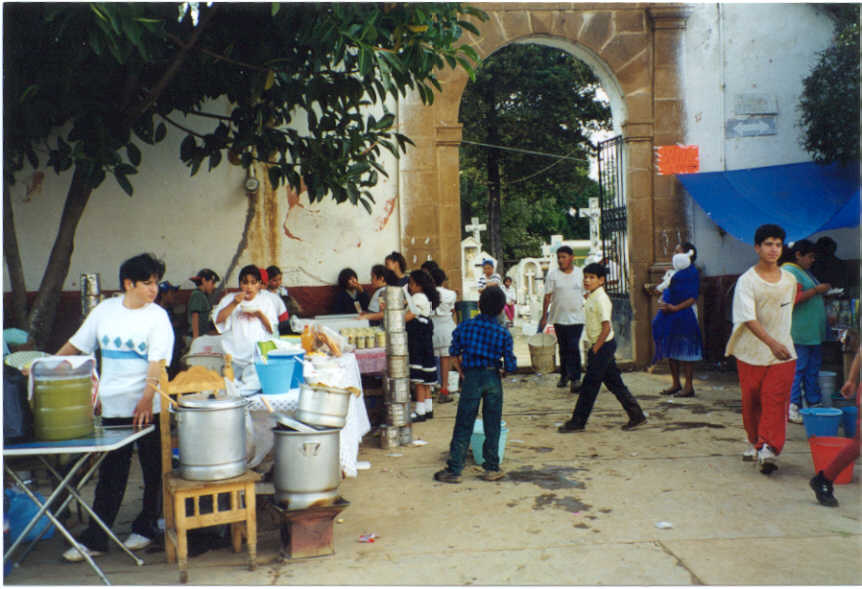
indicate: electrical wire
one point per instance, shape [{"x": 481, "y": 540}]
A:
[{"x": 528, "y": 151}]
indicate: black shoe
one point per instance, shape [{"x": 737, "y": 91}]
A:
[
  {"x": 823, "y": 489},
  {"x": 429, "y": 415},
  {"x": 685, "y": 393},
  {"x": 447, "y": 476},
  {"x": 445, "y": 398},
  {"x": 570, "y": 426},
  {"x": 563, "y": 382},
  {"x": 634, "y": 422},
  {"x": 671, "y": 391},
  {"x": 576, "y": 386}
]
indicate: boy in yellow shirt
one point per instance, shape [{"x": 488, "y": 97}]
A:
[{"x": 601, "y": 366}]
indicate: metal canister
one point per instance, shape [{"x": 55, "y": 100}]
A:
[
  {"x": 396, "y": 343},
  {"x": 398, "y": 414},
  {"x": 394, "y": 320},
  {"x": 405, "y": 435},
  {"x": 396, "y": 390},
  {"x": 91, "y": 292},
  {"x": 379, "y": 338},
  {"x": 394, "y": 297},
  {"x": 398, "y": 366},
  {"x": 389, "y": 437}
]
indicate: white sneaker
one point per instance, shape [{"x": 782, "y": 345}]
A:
[
  {"x": 74, "y": 555},
  {"x": 766, "y": 459},
  {"x": 750, "y": 454},
  {"x": 793, "y": 415},
  {"x": 137, "y": 542}
]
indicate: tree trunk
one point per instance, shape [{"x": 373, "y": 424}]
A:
[
  {"x": 44, "y": 311},
  {"x": 495, "y": 238},
  {"x": 12, "y": 255}
]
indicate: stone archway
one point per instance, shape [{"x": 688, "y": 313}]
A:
[{"x": 635, "y": 50}]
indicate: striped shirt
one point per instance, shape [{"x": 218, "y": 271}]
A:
[{"x": 481, "y": 342}]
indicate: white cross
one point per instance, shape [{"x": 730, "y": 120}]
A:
[
  {"x": 476, "y": 228},
  {"x": 550, "y": 249},
  {"x": 594, "y": 214}
]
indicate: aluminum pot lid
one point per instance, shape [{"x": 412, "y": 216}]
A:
[
  {"x": 288, "y": 421},
  {"x": 205, "y": 402}
]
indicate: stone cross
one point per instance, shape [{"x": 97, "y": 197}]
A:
[
  {"x": 476, "y": 228},
  {"x": 549, "y": 249},
  {"x": 594, "y": 214}
]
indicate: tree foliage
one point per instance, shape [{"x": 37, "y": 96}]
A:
[
  {"x": 535, "y": 98},
  {"x": 830, "y": 97},
  {"x": 308, "y": 84}
]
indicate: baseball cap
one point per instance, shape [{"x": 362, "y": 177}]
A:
[{"x": 165, "y": 286}]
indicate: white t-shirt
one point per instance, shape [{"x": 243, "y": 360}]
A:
[
  {"x": 129, "y": 339},
  {"x": 241, "y": 331},
  {"x": 511, "y": 295},
  {"x": 770, "y": 303},
  {"x": 447, "y": 302},
  {"x": 567, "y": 296},
  {"x": 418, "y": 304},
  {"x": 374, "y": 302},
  {"x": 280, "y": 307}
]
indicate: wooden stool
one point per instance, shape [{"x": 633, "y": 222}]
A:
[{"x": 239, "y": 510}]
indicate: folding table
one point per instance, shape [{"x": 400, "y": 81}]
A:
[{"x": 98, "y": 445}]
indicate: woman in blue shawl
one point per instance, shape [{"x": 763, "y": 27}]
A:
[{"x": 675, "y": 329}]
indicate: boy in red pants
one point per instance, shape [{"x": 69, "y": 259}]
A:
[
  {"x": 761, "y": 342},
  {"x": 822, "y": 483}
]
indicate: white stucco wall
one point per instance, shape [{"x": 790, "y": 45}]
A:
[
  {"x": 732, "y": 49},
  {"x": 195, "y": 222}
]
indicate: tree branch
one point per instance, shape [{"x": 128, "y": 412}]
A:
[{"x": 217, "y": 56}]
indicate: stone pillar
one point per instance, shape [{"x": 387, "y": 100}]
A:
[{"x": 448, "y": 205}]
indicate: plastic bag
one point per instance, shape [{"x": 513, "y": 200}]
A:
[{"x": 19, "y": 510}]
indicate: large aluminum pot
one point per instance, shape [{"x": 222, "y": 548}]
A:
[
  {"x": 394, "y": 297},
  {"x": 396, "y": 390},
  {"x": 398, "y": 414},
  {"x": 211, "y": 436},
  {"x": 393, "y": 320},
  {"x": 397, "y": 366},
  {"x": 307, "y": 468},
  {"x": 389, "y": 437},
  {"x": 322, "y": 406},
  {"x": 396, "y": 343}
]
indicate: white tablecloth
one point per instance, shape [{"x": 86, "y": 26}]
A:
[{"x": 356, "y": 426}]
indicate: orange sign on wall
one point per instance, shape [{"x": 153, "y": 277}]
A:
[{"x": 677, "y": 159}]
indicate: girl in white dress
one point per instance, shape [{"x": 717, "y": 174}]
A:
[{"x": 444, "y": 325}]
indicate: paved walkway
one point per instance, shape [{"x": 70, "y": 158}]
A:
[{"x": 576, "y": 509}]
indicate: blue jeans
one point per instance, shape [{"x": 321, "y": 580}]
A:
[
  {"x": 480, "y": 384},
  {"x": 808, "y": 361}
]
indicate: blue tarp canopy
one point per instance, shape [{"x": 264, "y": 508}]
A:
[{"x": 803, "y": 198}]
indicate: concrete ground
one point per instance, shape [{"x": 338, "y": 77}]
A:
[{"x": 575, "y": 509}]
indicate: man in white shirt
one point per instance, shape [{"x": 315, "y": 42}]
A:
[
  {"x": 761, "y": 342},
  {"x": 564, "y": 294},
  {"x": 134, "y": 335}
]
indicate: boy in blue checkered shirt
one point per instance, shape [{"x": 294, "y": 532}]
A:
[{"x": 477, "y": 347}]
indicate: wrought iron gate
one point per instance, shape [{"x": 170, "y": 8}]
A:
[{"x": 612, "y": 200}]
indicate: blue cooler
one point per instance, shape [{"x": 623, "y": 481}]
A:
[{"x": 281, "y": 373}]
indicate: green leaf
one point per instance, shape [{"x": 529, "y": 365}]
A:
[
  {"x": 134, "y": 154},
  {"x": 124, "y": 183},
  {"x": 161, "y": 131},
  {"x": 274, "y": 8}
]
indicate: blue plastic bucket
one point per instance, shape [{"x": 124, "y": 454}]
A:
[
  {"x": 280, "y": 374},
  {"x": 848, "y": 421},
  {"x": 477, "y": 440},
  {"x": 821, "y": 421}
]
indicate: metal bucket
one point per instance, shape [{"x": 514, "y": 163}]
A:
[
  {"x": 307, "y": 468},
  {"x": 394, "y": 297},
  {"x": 211, "y": 435},
  {"x": 398, "y": 414},
  {"x": 405, "y": 435},
  {"x": 323, "y": 406},
  {"x": 389, "y": 437},
  {"x": 394, "y": 320},
  {"x": 398, "y": 366},
  {"x": 828, "y": 382},
  {"x": 396, "y": 343},
  {"x": 396, "y": 390}
]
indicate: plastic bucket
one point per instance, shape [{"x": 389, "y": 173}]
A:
[
  {"x": 848, "y": 420},
  {"x": 477, "y": 440},
  {"x": 821, "y": 421},
  {"x": 465, "y": 310},
  {"x": 824, "y": 449},
  {"x": 280, "y": 374},
  {"x": 542, "y": 349}
]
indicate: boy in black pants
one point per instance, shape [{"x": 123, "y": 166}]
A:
[
  {"x": 601, "y": 366},
  {"x": 477, "y": 346}
]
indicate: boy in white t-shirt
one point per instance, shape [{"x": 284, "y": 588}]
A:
[
  {"x": 134, "y": 335},
  {"x": 564, "y": 295},
  {"x": 761, "y": 342}
]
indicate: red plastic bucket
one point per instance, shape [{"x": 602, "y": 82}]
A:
[{"x": 824, "y": 449}]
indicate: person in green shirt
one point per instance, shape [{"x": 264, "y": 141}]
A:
[
  {"x": 199, "y": 307},
  {"x": 808, "y": 328}
]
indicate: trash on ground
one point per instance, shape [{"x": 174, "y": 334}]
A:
[
  {"x": 368, "y": 538},
  {"x": 420, "y": 443},
  {"x": 340, "y": 520},
  {"x": 663, "y": 525},
  {"x": 363, "y": 465},
  {"x": 395, "y": 454},
  {"x": 516, "y": 441},
  {"x": 558, "y": 424}
]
